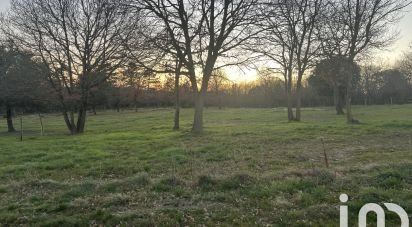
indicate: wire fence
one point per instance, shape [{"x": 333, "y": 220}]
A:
[{"x": 33, "y": 125}]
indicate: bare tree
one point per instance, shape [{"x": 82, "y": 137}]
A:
[
  {"x": 79, "y": 41},
  {"x": 405, "y": 65},
  {"x": 136, "y": 78},
  {"x": 352, "y": 28},
  {"x": 6, "y": 61},
  {"x": 151, "y": 50},
  {"x": 201, "y": 32},
  {"x": 22, "y": 83},
  {"x": 288, "y": 42},
  {"x": 370, "y": 81}
]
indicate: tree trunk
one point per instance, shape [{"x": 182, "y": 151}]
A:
[
  {"x": 177, "y": 100},
  {"x": 73, "y": 126},
  {"x": 219, "y": 100},
  {"x": 67, "y": 121},
  {"x": 290, "y": 104},
  {"x": 198, "y": 118},
  {"x": 41, "y": 125},
  {"x": 338, "y": 101},
  {"x": 348, "y": 100},
  {"x": 298, "y": 101},
  {"x": 177, "y": 118},
  {"x": 290, "y": 109},
  {"x": 81, "y": 119},
  {"x": 135, "y": 99},
  {"x": 288, "y": 88},
  {"x": 9, "y": 118}
]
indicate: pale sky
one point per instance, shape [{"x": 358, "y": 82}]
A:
[
  {"x": 390, "y": 56},
  {"x": 4, "y": 4},
  {"x": 404, "y": 39}
]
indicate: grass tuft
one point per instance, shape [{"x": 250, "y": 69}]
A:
[{"x": 238, "y": 181}]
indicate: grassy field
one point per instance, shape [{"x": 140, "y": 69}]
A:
[{"x": 250, "y": 168}]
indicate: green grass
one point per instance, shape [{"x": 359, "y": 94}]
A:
[{"x": 249, "y": 168}]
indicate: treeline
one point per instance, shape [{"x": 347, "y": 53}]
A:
[
  {"x": 382, "y": 86},
  {"x": 375, "y": 86}
]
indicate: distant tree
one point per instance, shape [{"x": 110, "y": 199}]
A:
[
  {"x": 218, "y": 79},
  {"x": 352, "y": 28},
  {"x": 22, "y": 83},
  {"x": 136, "y": 79},
  {"x": 7, "y": 57},
  {"x": 269, "y": 87},
  {"x": 405, "y": 65},
  {"x": 99, "y": 96},
  {"x": 332, "y": 72},
  {"x": 370, "y": 82},
  {"x": 288, "y": 43},
  {"x": 152, "y": 50},
  {"x": 395, "y": 87}
]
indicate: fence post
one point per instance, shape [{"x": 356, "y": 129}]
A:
[{"x": 41, "y": 125}]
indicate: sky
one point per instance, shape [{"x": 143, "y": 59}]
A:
[
  {"x": 4, "y": 4},
  {"x": 404, "y": 40},
  {"x": 388, "y": 56}
]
